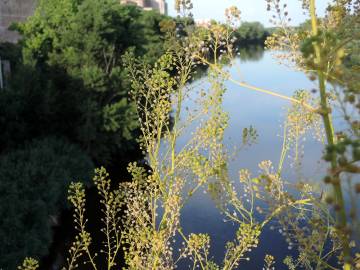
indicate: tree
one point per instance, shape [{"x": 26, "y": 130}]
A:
[
  {"x": 34, "y": 181},
  {"x": 33, "y": 106},
  {"x": 251, "y": 33},
  {"x": 85, "y": 40}
]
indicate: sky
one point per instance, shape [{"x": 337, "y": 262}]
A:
[{"x": 251, "y": 10}]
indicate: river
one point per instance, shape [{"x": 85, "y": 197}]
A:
[{"x": 266, "y": 114}]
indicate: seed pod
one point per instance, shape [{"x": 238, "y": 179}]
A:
[
  {"x": 336, "y": 181},
  {"x": 327, "y": 157},
  {"x": 356, "y": 153},
  {"x": 327, "y": 180},
  {"x": 342, "y": 161},
  {"x": 340, "y": 148},
  {"x": 329, "y": 200},
  {"x": 357, "y": 188},
  {"x": 337, "y": 207}
]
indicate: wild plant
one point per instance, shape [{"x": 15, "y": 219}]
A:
[
  {"x": 159, "y": 93},
  {"x": 142, "y": 217},
  {"x": 29, "y": 264},
  {"x": 294, "y": 44},
  {"x": 322, "y": 49},
  {"x": 299, "y": 124}
]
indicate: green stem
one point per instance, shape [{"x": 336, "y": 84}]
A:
[
  {"x": 329, "y": 130},
  {"x": 284, "y": 149},
  {"x": 254, "y": 88}
]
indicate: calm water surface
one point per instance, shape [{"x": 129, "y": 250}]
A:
[{"x": 266, "y": 114}]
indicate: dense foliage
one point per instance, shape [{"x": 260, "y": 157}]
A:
[
  {"x": 67, "y": 81},
  {"x": 251, "y": 33},
  {"x": 85, "y": 39},
  {"x": 33, "y": 187},
  {"x": 35, "y": 106}
]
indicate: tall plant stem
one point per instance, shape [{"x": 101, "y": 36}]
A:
[
  {"x": 255, "y": 88},
  {"x": 330, "y": 136}
]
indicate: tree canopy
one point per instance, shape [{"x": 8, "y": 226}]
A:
[
  {"x": 66, "y": 110},
  {"x": 74, "y": 47},
  {"x": 251, "y": 33},
  {"x": 33, "y": 184}
]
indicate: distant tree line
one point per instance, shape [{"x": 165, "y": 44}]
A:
[{"x": 251, "y": 33}]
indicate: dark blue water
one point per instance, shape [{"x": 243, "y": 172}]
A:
[{"x": 266, "y": 114}]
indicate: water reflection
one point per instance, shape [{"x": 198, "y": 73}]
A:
[{"x": 251, "y": 53}]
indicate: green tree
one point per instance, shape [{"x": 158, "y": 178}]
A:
[
  {"x": 33, "y": 107},
  {"x": 251, "y": 33},
  {"x": 33, "y": 188},
  {"x": 86, "y": 39},
  {"x": 69, "y": 83}
]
